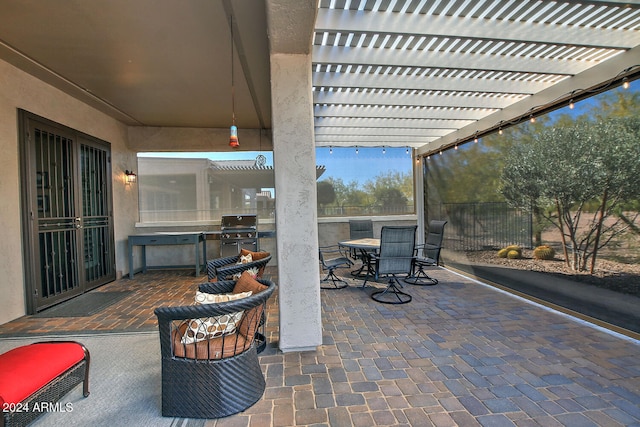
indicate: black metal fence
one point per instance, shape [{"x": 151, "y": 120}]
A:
[
  {"x": 479, "y": 226},
  {"x": 324, "y": 211}
]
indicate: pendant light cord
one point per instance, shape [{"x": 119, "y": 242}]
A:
[{"x": 233, "y": 87}]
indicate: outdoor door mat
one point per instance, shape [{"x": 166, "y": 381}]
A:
[{"x": 83, "y": 305}]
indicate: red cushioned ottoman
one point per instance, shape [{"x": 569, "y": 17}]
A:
[{"x": 34, "y": 377}]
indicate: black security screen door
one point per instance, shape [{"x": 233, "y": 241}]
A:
[{"x": 67, "y": 194}]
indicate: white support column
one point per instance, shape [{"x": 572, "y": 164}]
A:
[{"x": 296, "y": 213}]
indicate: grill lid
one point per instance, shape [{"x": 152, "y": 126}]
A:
[{"x": 238, "y": 222}]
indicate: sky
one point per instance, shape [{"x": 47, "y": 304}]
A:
[
  {"x": 365, "y": 165},
  {"x": 340, "y": 163}
]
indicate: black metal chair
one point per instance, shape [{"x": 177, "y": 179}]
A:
[
  {"x": 331, "y": 258},
  {"x": 395, "y": 257},
  {"x": 427, "y": 255},
  {"x": 219, "y": 375},
  {"x": 360, "y": 229}
]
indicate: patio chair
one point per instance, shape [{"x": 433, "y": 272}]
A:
[
  {"x": 332, "y": 258},
  {"x": 427, "y": 255},
  {"x": 360, "y": 229},
  {"x": 395, "y": 257},
  {"x": 225, "y": 268},
  {"x": 214, "y": 371}
]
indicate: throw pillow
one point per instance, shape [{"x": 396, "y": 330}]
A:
[
  {"x": 215, "y": 326},
  {"x": 211, "y": 327},
  {"x": 254, "y": 255},
  {"x": 246, "y": 283},
  {"x": 252, "y": 271},
  {"x": 245, "y": 259},
  {"x": 250, "y": 321}
]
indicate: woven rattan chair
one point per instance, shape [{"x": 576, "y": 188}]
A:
[
  {"x": 428, "y": 255},
  {"x": 395, "y": 257},
  {"x": 218, "y": 376},
  {"x": 225, "y": 268},
  {"x": 332, "y": 258}
]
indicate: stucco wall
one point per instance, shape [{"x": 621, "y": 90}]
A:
[{"x": 20, "y": 90}]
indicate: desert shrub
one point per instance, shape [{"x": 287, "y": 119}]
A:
[
  {"x": 514, "y": 254},
  {"x": 514, "y": 248},
  {"x": 511, "y": 252},
  {"x": 544, "y": 252}
]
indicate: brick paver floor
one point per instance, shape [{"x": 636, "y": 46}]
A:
[{"x": 461, "y": 353}]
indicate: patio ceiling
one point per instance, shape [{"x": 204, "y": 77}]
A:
[{"x": 415, "y": 73}]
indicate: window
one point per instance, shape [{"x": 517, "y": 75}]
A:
[
  {"x": 365, "y": 181},
  {"x": 187, "y": 187}
]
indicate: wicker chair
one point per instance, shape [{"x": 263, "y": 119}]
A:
[
  {"x": 225, "y": 268},
  {"x": 218, "y": 376}
]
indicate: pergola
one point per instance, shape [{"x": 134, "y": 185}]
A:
[
  {"x": 426, "y": 74},
  {"x": 432, "y": 74}
]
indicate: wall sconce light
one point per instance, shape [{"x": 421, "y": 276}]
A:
[{"x": 129, "y": 177}]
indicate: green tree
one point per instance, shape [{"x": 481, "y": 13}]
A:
[
  {"x": 390, "y": 190},
  {"x": 566, "y": 168},
  {"x": 326, "y": 193}
]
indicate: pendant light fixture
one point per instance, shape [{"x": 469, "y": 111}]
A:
[{"x": 233, "y": 138}]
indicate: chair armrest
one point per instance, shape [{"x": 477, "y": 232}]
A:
[
  {"x": 226, "y": 271},
  {"x": 332, "y": 252},
  {"x": 222, "y": 287},
  {"x": 214, "y": 264}
]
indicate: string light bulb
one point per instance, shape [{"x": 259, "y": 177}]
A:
[
  {"x": 475, "y": 138},
  {"x": 500, "y": 130},
  {"x": 625, "y": 83},
  {"x": 330, "y": 150},
  {"x": 571, "y": 105},
  {"x": 532, "y": 119},
  {"x": 384, "y": 150}
]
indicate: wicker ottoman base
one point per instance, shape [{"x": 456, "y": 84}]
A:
[
  {"x": 211, "y": 388},
  {"x": 45, "y": 399}
]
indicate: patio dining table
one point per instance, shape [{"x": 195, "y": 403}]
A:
[{"x": 365, "y": 246}]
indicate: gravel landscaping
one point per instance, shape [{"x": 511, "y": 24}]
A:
[{"x": 613, "y": 275}]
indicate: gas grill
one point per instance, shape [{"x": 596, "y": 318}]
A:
[{"x": 238, "y": 232}]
